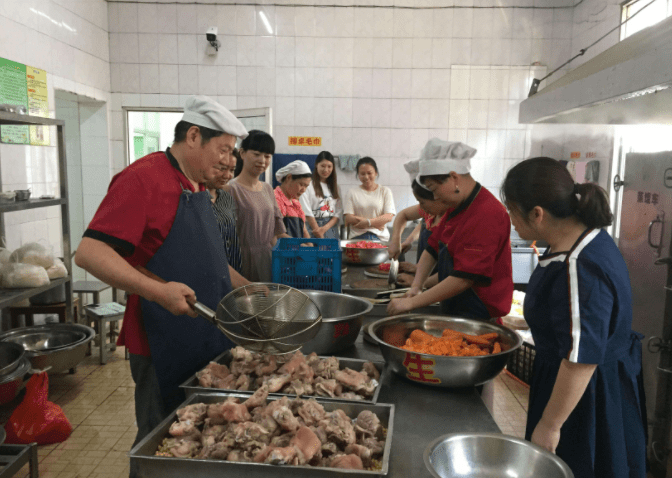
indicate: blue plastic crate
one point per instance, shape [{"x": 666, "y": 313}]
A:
[{"x": 317, "y": 267}]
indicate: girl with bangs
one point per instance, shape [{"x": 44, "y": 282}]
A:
[{"x": 259, "y": 222}]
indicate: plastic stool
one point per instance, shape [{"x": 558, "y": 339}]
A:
[{"x": 99, "y": 315}]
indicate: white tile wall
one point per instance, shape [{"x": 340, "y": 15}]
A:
[
  {"x": 69, "y": 40},
  {"x": 377, "y": 81}
]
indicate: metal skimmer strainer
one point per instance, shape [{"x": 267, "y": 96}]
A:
[{"x": 268, "y": 318}]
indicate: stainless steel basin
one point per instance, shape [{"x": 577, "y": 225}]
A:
[
  {"x": 342, "y": 319},
  {"x": 12, "y": 383},
  {"x": 363, "y": 257},
  {"x": 43, "y": 340},
  {"x": 438, "y": 370},
  {"x": 10, "y": 357},
  {"x": 59, "y": 347},
  {"x": 491, "y": 455}
]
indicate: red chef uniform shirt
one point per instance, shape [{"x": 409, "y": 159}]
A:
[
  {"x": 477, "y": 236},
  {"x": 135, "y": 218}
]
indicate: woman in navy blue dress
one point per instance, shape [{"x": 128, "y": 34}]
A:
[{"x": 586, "y": 396}]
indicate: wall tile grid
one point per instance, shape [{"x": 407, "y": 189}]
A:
[
  {"x": 369, "y": 81},
  {"x": 68, "y": 39}
]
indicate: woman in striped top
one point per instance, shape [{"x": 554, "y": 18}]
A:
[{"x": 224, "y": 207}]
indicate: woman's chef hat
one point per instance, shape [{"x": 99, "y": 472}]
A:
[
  {"x": 206, "y": 112},
  {"x": 294, "y": 168},
  {"x": 413, "y": 170},
  {"x": 441, "y": 157}
]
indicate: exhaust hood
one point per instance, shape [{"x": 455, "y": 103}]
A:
[{"x": 630, "y": 83}]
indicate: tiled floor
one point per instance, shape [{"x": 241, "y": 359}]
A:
[{"x": 98, "y": 401}]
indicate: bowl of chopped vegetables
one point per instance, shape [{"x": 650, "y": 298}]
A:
[
  {"x": 442, "y": 351},
  {"x": 365, "y": 253}
]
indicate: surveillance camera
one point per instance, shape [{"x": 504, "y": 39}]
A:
[{"x": 211, "y": 34}]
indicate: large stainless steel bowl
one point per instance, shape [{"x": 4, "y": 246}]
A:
[
  {"x": 10, "y": 357},
  {"x": 491, "y": 455},
  {"x": 436, "y": 370},
  {"x": 342, "y": 318},
  {"x": 59, "y": 346},
  {"x": 12, "y": 383},
  {"x": 364, "y": 257}
]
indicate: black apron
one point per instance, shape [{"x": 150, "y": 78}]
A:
[
  {"x": 422, "y": 240},
  {"x": 193, "y": 254},
  {"x": 465, "y": 304},
  {"x": 294, "y": 226}
]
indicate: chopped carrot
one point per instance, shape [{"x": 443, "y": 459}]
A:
[{"x": 453, "y": 343}]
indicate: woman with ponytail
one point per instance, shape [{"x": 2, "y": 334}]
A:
[{"x": 586, "y": 396}]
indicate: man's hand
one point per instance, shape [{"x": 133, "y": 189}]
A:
[
  {"x": 407, "y": 267},
  {"x": 318, "y": 233},
  {"x": 175, "y": 297},
  {"x": 412, "y": 292}
]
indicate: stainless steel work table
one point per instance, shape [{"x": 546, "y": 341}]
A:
[{"x": 422, "y": 414}]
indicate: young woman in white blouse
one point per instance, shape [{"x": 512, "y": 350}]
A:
[
  {"x": 322, "y": 200},
  {"x": 369, "y": 207}
]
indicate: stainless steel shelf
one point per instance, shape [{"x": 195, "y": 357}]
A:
[
  {"x": 9, "y": 297},
  {"x": 30, "y": 204},
  {"x": 13, "y": 118}
]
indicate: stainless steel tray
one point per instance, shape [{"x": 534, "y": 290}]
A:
[
  {"x": 148, "y": 465},
  {"x": 191, "y": 386}
]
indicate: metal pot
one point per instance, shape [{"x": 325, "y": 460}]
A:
[
  {"x": 12, "y": 383},
  {"x": 10, "y": 357},
  {"x": 364, "y": 257},
  {"x": 22, "y": 194},
  {"x": 55, "y": 295},
  {"x": 342, "y": 319},
  {"x": 59, "y": 346}
]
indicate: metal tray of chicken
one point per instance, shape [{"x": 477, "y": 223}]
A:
[
  {"x": 148, "y": 465},
  {"x": 191, "y": 386}
]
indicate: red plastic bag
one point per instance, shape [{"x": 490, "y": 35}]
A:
[{"x": 37, "y": 419}]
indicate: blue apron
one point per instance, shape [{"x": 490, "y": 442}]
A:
[
  {"x": 331, "y": 233},
  {"x": 294, "y": 226},
  {"x": 466, "y": 304},
  {"x": 193, "y": 254}
]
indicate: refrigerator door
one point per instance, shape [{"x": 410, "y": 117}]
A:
[{"x": 646, "y": 228}]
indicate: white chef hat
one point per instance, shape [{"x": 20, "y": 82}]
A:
[
  {"x": 442, "y": 157},
  {"x": 294, "y": 168},
  {"x": 413, "y": 170},
  {"x": 204, "y": 111}
]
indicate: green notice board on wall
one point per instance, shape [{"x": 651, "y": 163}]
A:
[{"x": 14, "y": 91}]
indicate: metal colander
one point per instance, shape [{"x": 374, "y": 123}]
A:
[{"x": 268, "y": 318}]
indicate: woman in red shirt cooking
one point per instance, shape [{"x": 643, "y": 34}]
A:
[
  {"x": 471, "y": 244},
  {"x": 294, "y": 180}
]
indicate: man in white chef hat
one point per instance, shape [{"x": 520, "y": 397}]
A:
[
  {"x": 294, "y": 179},
  {"x": 155, "y": 236},
  {"x": 471, "y": 244}
]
